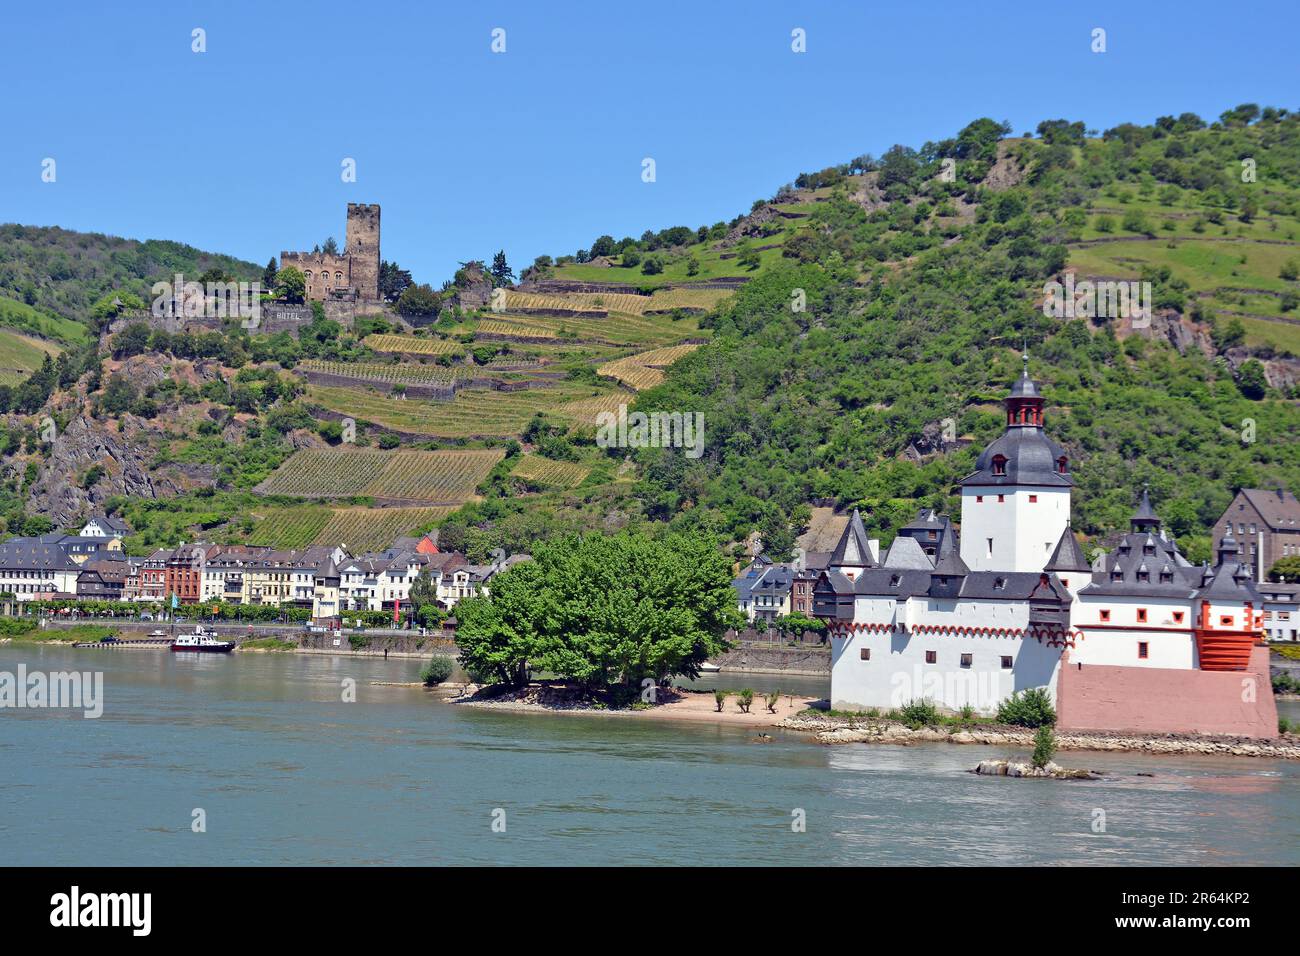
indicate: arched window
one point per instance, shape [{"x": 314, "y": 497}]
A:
[
  {"x": 307, "y": 275},
  {"x": 999, "y": 464},
  {"x": 338, "y": 277}
]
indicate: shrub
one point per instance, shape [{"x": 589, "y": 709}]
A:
[
  {"x": 772, "y": 700},
  {"x": 1028, "y": 708},
  {"x": 437, "y": 670},
  {"x": 358, "y": 641},
  {"x": 719, "y": 698},
  {"x": 918, "y": 713},
  {"x": 746, "y": 700},
  {"x": 1044, "y": 747}
]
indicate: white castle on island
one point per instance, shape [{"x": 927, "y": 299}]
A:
[{"x": 1140, "y": 640}]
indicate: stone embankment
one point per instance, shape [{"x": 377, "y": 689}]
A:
[{"x": 850, "y": 730}]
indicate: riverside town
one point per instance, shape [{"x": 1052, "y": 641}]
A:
[{"x": 554, "y": 454}]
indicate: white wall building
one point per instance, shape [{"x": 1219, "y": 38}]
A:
[{"x": 970, "y": 627}]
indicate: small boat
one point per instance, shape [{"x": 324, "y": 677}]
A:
[
  {"x": 202, "y": 643},
  {"x": 709, "y": 668}
]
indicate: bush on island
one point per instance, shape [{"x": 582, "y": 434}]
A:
[{"x": 437, "y": 670}]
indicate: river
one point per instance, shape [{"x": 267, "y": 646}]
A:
[{"x": 284, "y": 771}]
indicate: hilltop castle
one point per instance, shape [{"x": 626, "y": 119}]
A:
[
  {"x": 1139, "y": 640},
  {"x": 352, "y": 275}
]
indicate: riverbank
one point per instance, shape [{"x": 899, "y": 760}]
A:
[
  {"x": 851, "y": 730},
  {"x": 674, "y": 704},
  {"x": 791, "y": 713}
]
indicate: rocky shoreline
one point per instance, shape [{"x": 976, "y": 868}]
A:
[{"x": 849, "y": 730}]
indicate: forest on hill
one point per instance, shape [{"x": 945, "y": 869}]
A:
[{"x": 828, "y": 337}]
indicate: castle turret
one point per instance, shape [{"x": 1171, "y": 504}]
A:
[{"x": 1016, "y": 504}]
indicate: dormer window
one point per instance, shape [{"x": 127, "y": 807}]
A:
[
  {"x": 1166, "y": 577},
  {"x": 894, "y": 580},
  {"x": 1144, "y": 575},
  {"x": 1117, "y": 575},
  {"x": 999, "y": 464},
  {"x": 1062, "y": 465},
  {"x": 999, "y": 584}
]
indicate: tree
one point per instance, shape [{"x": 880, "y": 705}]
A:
[
  {"x": 1285, "y": 569},
  {"x": 291, "y": 285},
  {"x": 419, "y": 300},
  {"x": 393, "y": 281},
  {"x": 269, "y": 274},
  {"x": 132, "y": 340},
  {"x": 602, "y": 611},
  {"x": 1251, "y": 379},
  {"x": 502, "y": 274},
  {"x": 331, "y": 248}
]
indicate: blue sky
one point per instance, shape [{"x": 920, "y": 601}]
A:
[{"x": 539, "y": 150}]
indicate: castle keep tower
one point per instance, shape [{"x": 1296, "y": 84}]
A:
[
  {"x": 362, "y": 248},
  {"x": 352, "y": 275}
]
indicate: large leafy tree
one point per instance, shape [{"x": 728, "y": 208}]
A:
[{"x": 602, "y": 611}]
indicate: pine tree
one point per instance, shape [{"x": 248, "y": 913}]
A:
[
  {"x": 268, "y": 274},
  {"x": 502, "y": 274}
]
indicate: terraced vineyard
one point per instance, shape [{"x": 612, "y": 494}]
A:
[
  {"x": 373, "y": 529},
  {"x": 554, "y": 474},
  {"x": 411, "y": 374},
  {"x": 624, "y": 330},
  {"x": 585, "y": 410},
  {"x": 645, "y": 369},
  {"x": 412, "y": 345},
  {"x": 326, "y": 473},
  {"x": 475, "y": 412},
  {"x": 522, "y": 329},
  {"x": 290, "y": 527},
  {"x": 532, "y": 300},
  {"x": 446, "y": 477},
  {"x": 442, "y": 477}
]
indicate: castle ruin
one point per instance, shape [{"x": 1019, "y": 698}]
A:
[{"x": 351, "y": 276}]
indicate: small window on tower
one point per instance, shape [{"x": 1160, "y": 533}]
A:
[
  {"x": 1105, "y": 615},
  {"x": 864, "y": 654},
  {"x": 1142, "y": 615},
  {"x": 1142, "y": 650},
  {"x": 966, "y": 660},
  {"x": 1062, "y": 465},
  {"x": 1001, "y": 498},
  {"x": 1178, "y": 617},
  {"x": 1033, "y": 499},
  {"x": 1006, "y": 662},
  {"x": 990, "y": 547},
  {"x": 999, "y": 464},
  {"x": 932, "y": 657},
  {"x": 1225, "y": 620}
]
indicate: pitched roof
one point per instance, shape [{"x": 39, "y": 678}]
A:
[
  {"x": 853, "y": 549},
  {"x": 1278, "y": 507},
  {"x": 905, "y": 552},
  {"x": 1068, "y": 556}
]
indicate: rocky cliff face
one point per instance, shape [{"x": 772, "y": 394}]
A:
[{"x": 122, "y": 449}]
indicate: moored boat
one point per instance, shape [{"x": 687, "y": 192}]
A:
[{"x": 202, "y": 643}]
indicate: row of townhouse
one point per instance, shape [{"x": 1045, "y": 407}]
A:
[{"x": 326, "y": 579}]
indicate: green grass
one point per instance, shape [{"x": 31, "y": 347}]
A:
[
  {"x": 268, "y": 644},
  {"x": 22, "y": 630},
  {"x": 19, "y": 315},
  {"x": 20, "y": 355}
]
